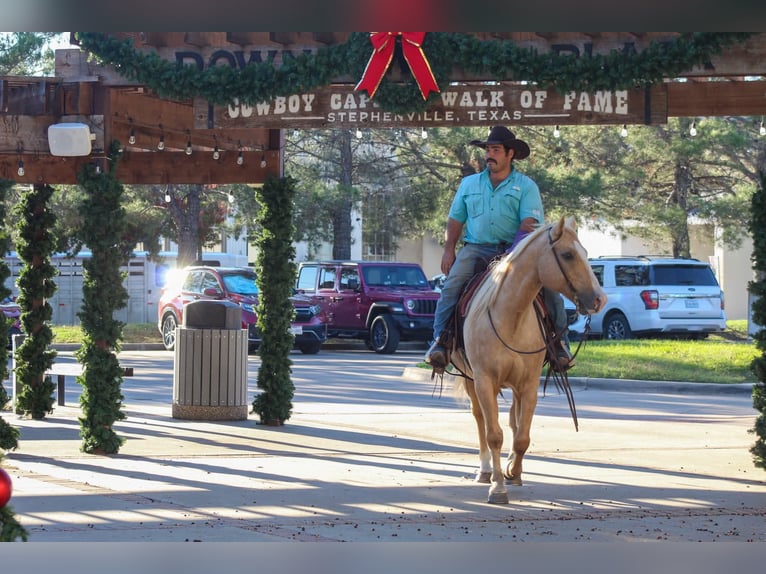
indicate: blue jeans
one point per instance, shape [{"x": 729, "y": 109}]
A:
[{"x": 464, "y": 268}]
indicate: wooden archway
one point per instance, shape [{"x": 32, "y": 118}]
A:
[{"x": 113, "y": 108}]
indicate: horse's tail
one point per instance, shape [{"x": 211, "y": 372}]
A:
[{"x": 459, "y": 391}]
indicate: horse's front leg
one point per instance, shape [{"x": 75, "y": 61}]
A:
[
  {"x": 520, "y": 420},
  {"x": 484, "y": 473},
  {"x": 487, "y": 399}
]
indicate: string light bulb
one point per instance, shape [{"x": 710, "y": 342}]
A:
[
  {"x": 263, "y": 160},
  {"x": 762, "y": 129},
  {"x": 132, "y": 137},
  {"x": 423, "y": 133},
  {"x": 230, "y": 198},
  {"x": 358, "y": 134},
  {"x": 556, "y": 132},
  {"x": 21, "y": 168},
  {"x": 188, "y": 146},
  {"x": 240, "y": 158},
  {"x": 693, "y": 129},
  {"x": 624, "y": 131},
  {"x": 161, "y": 143},
  {"x": 167, "y": 198},
  {"x": 216, "y": 153}
]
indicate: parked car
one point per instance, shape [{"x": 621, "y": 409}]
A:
[
  {"x": 235, "y": 284},
  {"x": 12, "y": 311},
  {"x": 437, "y": 282},
  {"x": 380, "y": 302},
  {"x": 654, "y": 296}
]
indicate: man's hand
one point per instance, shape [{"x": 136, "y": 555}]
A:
[{"x": 448, "y": 258}]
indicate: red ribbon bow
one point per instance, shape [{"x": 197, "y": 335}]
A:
[{"x": 383, "y": 52}]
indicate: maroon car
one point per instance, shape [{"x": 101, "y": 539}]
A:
[{"x": 237, "y": 285}]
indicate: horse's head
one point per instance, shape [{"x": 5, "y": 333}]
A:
[{"x": 568, "y": 271}]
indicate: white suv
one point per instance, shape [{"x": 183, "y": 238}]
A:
[{"x": 655, "y": 296}]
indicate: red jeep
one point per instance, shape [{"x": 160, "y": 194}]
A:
[{"x": 380, "y": 302}]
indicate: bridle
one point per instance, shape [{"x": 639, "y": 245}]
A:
[{"x": 561, "y": 268}]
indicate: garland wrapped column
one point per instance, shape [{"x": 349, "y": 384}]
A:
[
  {"x": 275, "y": 269},
  {"x": 35, "y": 244},
  {"x": 103, "y": 294},
  {"x": 10, "y": 529},
  {"x": 757, "y": 288}
]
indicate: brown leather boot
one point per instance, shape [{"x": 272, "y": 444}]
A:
[{"x": 436, "y": 355}]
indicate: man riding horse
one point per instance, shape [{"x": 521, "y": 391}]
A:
[{"x": 496, "y": 208}]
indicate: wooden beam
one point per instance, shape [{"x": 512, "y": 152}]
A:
[
  {"x": 689, "y": 99},
  {"x": 747, "y": 58},
  {"x": 147, "y": 168}
]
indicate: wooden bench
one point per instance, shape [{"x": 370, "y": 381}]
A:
[{"x": 63, "y": 370}]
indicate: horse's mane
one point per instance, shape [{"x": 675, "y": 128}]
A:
[{"x": 492, "y": 286}]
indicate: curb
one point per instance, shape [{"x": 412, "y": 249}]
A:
[{"x": 587, "y": 383}]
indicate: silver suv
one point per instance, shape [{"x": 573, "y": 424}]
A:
[{"x": 655, "y": 296}]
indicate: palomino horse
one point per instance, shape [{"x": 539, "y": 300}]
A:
[{"x": 503, "y": 343}]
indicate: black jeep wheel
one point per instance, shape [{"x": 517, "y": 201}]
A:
[
  {"x": 310, "y": 348},
  {"x": 384, "y": 336}
]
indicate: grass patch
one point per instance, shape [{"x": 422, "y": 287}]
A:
[
  {"x": 132, "y": 333},
  {"x": 721, "y": 358},
  {"x": 667, "y": 360}
]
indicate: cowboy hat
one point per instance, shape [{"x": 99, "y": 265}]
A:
[{"x": 503, "y": 136}]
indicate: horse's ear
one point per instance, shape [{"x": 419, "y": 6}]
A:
[
  {"x": 557, "y": 230},
  {"x": 572, "y": 222}
]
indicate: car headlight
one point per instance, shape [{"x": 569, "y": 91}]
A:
[{"x": 410, "y": 304}]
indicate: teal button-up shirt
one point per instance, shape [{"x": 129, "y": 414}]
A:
[{"x": 493, "y": 215}]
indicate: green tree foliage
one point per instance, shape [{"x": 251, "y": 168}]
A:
[
  {"x": 103, "y": 294},
  {"x": 35, "y": 244},
  {"x": 758, "y": 289},
  {"x": 652, "y": 181},
  {"x": 275, "y": 270},
  {"x": 25, "y": 53}
]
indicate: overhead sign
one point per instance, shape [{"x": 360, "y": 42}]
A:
[{"x": 339, "y": 106}]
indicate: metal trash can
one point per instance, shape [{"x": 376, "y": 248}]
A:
[{"x": 210, "y": 363}]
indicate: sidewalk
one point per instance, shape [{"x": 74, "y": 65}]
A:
[{"x": 373, "y": 452}]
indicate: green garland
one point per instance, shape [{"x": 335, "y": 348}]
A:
[
  {"x": 275, "y": 271},
  {"x": 10, "y": 528},
  {"x": 103, "y": 294},
  {"x": 445, "y": 51},
  {"x": 35, "y": 244},
  {"x": 9, "y": 435},
  {"x": 758, "y": 289}
]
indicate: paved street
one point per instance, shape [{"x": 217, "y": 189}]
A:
[{"x": 373, "y": 453}]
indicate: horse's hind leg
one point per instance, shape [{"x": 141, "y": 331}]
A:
[
  {"x": 520, "y": 420},
  {"x": 484, "y": 473}
]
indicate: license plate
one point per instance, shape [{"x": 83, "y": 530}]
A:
[
  {"x": 692, "y": 304},
  {"x": 296, "y": 329}
]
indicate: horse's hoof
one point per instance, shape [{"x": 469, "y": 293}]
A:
[
  {"x": 515, "y": 480},
  {"x": 484, "y": 477},
  {"x": 498, "y": 498}
]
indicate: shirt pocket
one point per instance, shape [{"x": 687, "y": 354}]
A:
[
  {"x": 474, "y": 204},
  {"x": 507, "y": 205}
]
